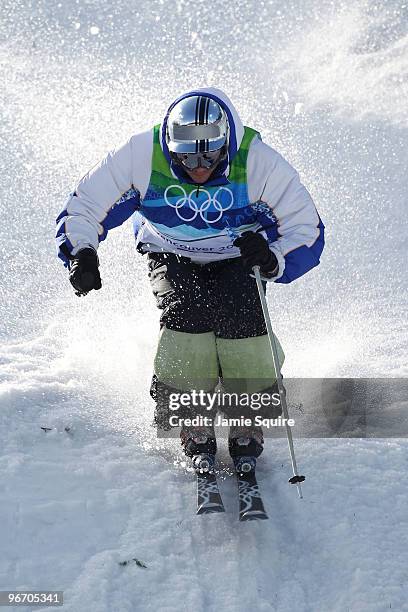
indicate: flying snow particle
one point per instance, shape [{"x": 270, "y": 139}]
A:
[
  {"x": 298, "y": 108},
  {"x": 94, "y": 30}
]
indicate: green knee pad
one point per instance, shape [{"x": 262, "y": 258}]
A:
[
  {"x": 247, "y": 364},
  {"x": 187, "y": 361}
]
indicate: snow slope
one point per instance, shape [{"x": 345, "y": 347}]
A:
[{"x": 327, "y": 85}]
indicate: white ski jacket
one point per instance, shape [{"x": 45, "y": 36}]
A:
[{"x": 113, "y": 191}]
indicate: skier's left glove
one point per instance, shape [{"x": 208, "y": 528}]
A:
[{"x": 255, "y": 251}]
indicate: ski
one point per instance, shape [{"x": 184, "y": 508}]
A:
[
  {"x": 251, "y": 506},
  {"x": 208, "y": 495}
]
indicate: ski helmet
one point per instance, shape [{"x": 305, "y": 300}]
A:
[{"x": 197, "y": 124}]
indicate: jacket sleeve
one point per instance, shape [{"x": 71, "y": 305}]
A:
[
  {"x": 105, "y": 197},
  {"x": 287, "y": 212}
]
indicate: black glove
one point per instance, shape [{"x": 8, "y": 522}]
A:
[
  {"x": 255, "y": 251},
  {"x": 83, "y": 272}
]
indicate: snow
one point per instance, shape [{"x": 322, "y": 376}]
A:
[{"x": 325, "y": 84}]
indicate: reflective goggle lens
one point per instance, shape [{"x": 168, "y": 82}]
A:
[{"x": 196, "y": 160}]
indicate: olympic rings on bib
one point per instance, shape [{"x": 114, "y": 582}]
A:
[{"x": 188, "y": 202}]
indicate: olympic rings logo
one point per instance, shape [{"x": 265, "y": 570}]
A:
[{"x": 189, "y": 203}]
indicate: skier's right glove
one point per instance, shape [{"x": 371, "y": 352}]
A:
[{"x": 83, "y": 272}]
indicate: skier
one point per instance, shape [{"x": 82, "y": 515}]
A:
[{"x": 209, "y": 201}]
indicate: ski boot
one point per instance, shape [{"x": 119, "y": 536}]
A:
[
  {"x": 245, "y": 445},
  {"x": 200, "y": 445}
]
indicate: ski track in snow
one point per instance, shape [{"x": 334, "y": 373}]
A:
[{"x": 326, "y": 84}]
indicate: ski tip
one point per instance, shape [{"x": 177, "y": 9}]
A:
[
  {"x": 254, "y": 515},
  {"x": 210, "y": 509}
]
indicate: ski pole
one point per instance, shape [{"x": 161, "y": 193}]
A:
[{"x": 296, "y": 479}]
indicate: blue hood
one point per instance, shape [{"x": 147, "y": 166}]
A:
[{"x": 236, "y": 134}]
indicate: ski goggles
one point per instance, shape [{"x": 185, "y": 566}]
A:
[{"x": 191, "y": 161}]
